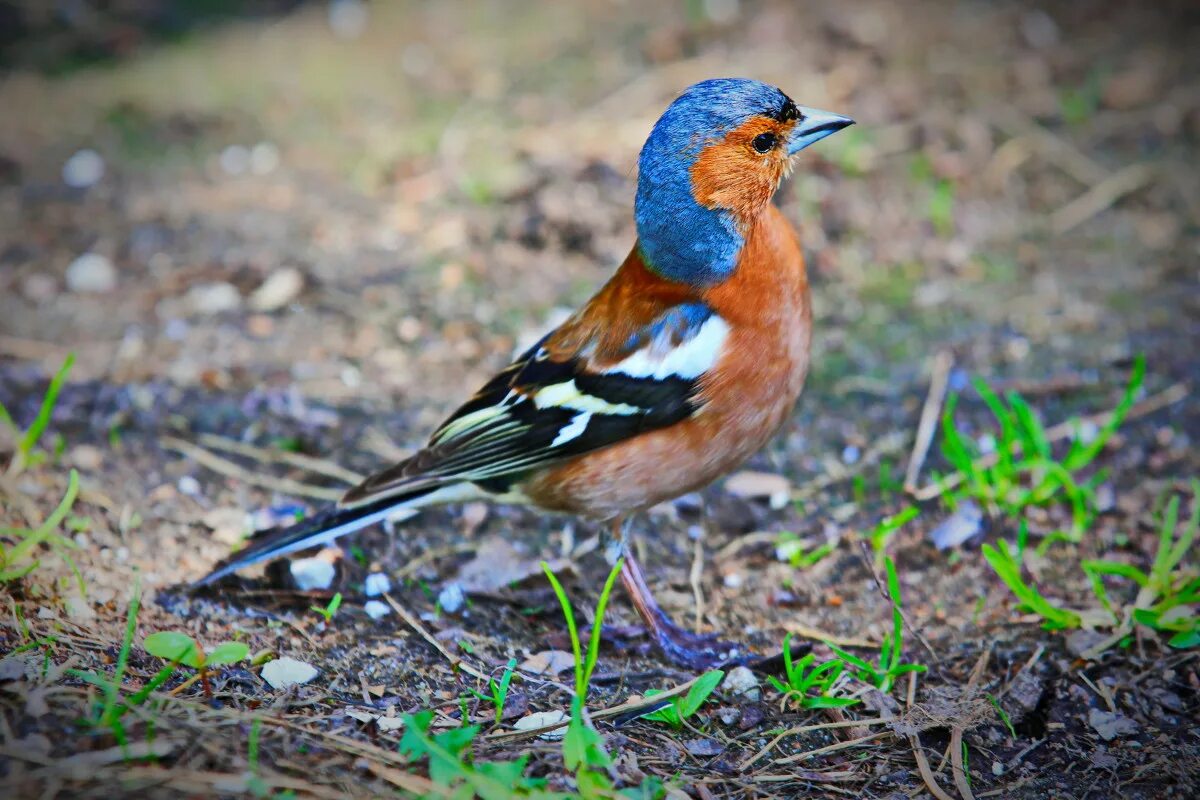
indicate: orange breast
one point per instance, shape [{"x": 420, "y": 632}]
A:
[{"x": 749, "y": 394}]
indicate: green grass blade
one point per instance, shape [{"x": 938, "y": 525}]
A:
[
  {"x": 49, "y": 400},
  {"x": 565, "y": 603},
  {"x": 593, "y": 650}
]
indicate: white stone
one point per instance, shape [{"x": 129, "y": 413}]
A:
[
  {"x": 451, "y": 598},
  {"x": 741, "y": 681},
  {"x": 91, "y": 272},
  {"x": 83, "y": 169},
  {"x": 311, "y": 573},
  {"x": 376, "y": 609},
  {"x": 280, "y": 288},
  {"x": 542, "y": 719},
  {"x": 377, "y": 583},
  {"x": 213, "y": 298},
  {"x": 284, "y": 672}
]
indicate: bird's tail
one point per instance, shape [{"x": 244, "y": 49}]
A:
[{"x": 321, "y": 528}]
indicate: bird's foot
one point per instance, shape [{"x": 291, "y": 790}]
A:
[{"x": 694, "y": 651}]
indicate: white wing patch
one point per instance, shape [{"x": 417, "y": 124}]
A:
[
  {"x": 574, "y": 429},
  {"x": 567, "y": 395},
  {"x": 689, "y": 360}
]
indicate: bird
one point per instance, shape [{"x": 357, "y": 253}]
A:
[{"x": 676, "y": 371}]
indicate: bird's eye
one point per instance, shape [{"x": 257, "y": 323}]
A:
[{"x": 764, "y": 142}]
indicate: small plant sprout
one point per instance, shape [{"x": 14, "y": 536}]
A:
[
  {"x": 498, "y": 689},
  {"x": 1022, "y": 470},
  {"x": 25, "y": 455},
  {"x": 1000, "y": 712},
  {"x": 112, "y": 706},
  {"x": 329, "y": 610},
  {"x": 1168, "y": 594},
  {"x": 887, "y": 527},
  {"x": 583, "y": 748},
  {"x": 20, "y": 561},
  {"x": 792, "y": 549},
  {"x": 884, "y": 674},
  {"x": 685, "y": 706},
  {"x": 179, "y": 648},
  {"x": 450, "y": 762},
  {"x": 810, "y": 686},
  {"x": 1008, "y": 567}
]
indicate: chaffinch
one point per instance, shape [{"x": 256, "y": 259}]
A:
[{"x": 681, "y": 366}]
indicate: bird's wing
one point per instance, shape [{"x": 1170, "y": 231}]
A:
[{"x": 571, "y": 393}]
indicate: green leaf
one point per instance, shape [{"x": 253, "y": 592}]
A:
[
  {"x": 701, "y": 689},
  {"x": 228, "y": 653},
  {"x": 1185, "y": 639},
  {"x": 1103, "y": 567},
  {"x": 822, "y": 701},
  {"x": 667, "y": 714},
  {"x": 175, "y": 647}
]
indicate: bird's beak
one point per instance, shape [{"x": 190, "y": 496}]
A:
[{"x": 813, "y": 126}]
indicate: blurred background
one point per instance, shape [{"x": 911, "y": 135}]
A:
[{"x": 377, "y": 201}]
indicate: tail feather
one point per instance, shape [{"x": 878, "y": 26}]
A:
[{"x": 321, "y": 528}]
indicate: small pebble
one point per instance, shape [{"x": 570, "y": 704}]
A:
[
  {"x": 189, "y": 486},
  {"x": 541, "y": 719},
  {"x": 376, "y": 609},
  {"x": 83, "y": 169},
  {"x": 264, "y": 158},
  {"x": 235, "y": 159},
  {"x": 851, "y": 454},
  {"x": 451, "y": 598},
  {"x": 280, "y": 288},
  {"x": 965, "y": 523},
  {"x": 312, "y": 573},
  {"x": 213, "y": 298},
  {"x": 91, "y": 272},
  {"x": 741, "y": 681},
  {"x": 377, "y": 583},
  {"x": 284, "y": 672}
]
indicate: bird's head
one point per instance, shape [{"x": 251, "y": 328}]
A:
[{"x": 710, "y": 167}]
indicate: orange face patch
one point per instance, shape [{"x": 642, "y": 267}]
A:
[{"x": 732, "y": 174}]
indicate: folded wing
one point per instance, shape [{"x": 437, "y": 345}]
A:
[{"x": 557, "y": 401}]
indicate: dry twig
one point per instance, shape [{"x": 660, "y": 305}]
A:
[
  {"x": 230, "y": 469},
  {"x": 271, "y": 456},
  {"x": 938, "y": 381}
]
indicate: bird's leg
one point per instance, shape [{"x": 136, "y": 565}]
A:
[{"x": 695, "y": 651}]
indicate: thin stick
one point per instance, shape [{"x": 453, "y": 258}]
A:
[
  {"x": 830, "y": 748},
  {"x": 694, "y": 576},
  {"x": 865, "y": 555},
  {"x": 1054, "y": 149},
  {"x": 269, "y": 455},
  {"x": 456, "y": 663},
  {"x": 958, "y": 768},
  {"x": 232, "y": 470},
  {"x": 1063, "y": 430},
  {"x": 743, "y": 542},
  {"x": 1100, "y": 197},
  {"x": 853, "y": 723},
  {"x": 914, "y": 741},
  {"x": 938, "y": 381},
  {"x": 818, "y": 635}
]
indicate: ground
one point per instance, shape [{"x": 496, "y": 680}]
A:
[{"x": 315, "y": 243}]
